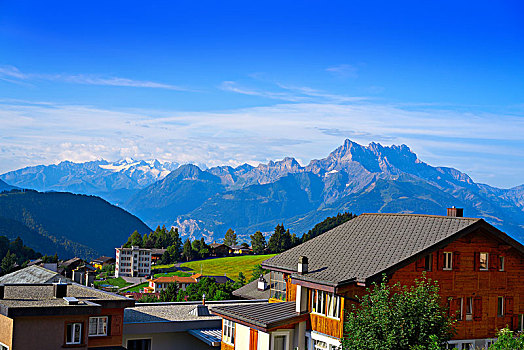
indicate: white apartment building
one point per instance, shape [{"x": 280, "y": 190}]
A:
[{"x": 133, "y": 262}]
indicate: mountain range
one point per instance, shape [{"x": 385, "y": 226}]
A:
[
  {"x": 115, "y": 182},
  {"x": 355, "y": 178}
]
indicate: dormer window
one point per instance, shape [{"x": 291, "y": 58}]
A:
[{"x": 277, "y": 286}]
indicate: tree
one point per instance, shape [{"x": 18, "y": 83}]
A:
[
  {"x": 258, "y": 243},
  {"x": 230, "y": 238},
  {"x": 170, "y": 256},
  {"x": 8, "y": 263},
  {"x": 170, "y": 293},
  {"x": 187, "y": 250},
  {"x": 327, "y": 224},
  {"x": 507, "y": 339},
  {"x": 398, "y": 318},
  {"x": 241, "y": 281},
  {"x": 256, "y": 272},
  {"x": 134, "y": 240}
]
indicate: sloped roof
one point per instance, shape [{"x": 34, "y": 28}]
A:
[
  {"x": 368, "y": 245},
  {"x": 32, "y": 274},
  {"x": 103, "y": 259},
  {"x": 173, "y": 279},
  {"x": 251, "y": 291}
]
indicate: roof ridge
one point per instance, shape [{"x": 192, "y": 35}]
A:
[{"x": 423, "y": 215}]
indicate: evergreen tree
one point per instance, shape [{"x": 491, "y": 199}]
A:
[
  {"x": 258, "y": 243},
  {"x": 256, "y": 272},
  {"x": 285, "y": 241},
  {"x": 187, "y": 250},
  {"x": 8, "y": 263},
  {"x": 230, "y": 238},
  {"x": 274, "y": 245},
  {"x": 135, "y": 240},
  {"x": 170, "y": 293},
  {"x": 327, "y": 224}
]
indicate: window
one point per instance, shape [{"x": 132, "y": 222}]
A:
[
  {"x": 228, "y": 333},
  {"x": 448, "y": 260},
  {"x": 501, "y": 263},
  {"x": 74, "y": 333},
  {"x": 3, "y": 347},
  {"x": 500, "y": 306},
  {"x": 520, "y": 326},
  {"x": 98, "y": 326},
  {"x": 469, "y": 309},
  {"x": 483, "y": 261},
  {"x": 277, "y": 286},
  {"x": 279, "y": 342},
  {"x": 461, "y": 345},
  {"x": 139, "y": 344},
  {"x": 428, "y": 262},
  {"x": 325, "y": 303},
  {"x": 320, "y": 345}
]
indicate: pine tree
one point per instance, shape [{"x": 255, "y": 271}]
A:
[
  {"x": 187, "y": 250},
  {"x": 274, "y": 245},
  {"x": 258, "y": 243},
  {"x": 230, "y": 238},
  {"x": 8, "y": 263}
]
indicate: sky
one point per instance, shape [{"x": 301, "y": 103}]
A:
[{"x": 224, "y": 83}]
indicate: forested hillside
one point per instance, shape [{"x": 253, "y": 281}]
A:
[{"x": 65, "y": 223}]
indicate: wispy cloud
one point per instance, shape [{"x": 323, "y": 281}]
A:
[
  {"x": 343, "y": 71},
  {"x": 486, "y": 146},
  {"x": 14, "y": 75},
  {"x": 290, "y": 93}
]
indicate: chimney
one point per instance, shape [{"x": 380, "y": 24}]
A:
[
  {"x": 204, "y": 299},
  {"x": 455, "y": 212},
  {"x": 262, "y": 284},
  {"x": 302, "y": 265},
  {"x": 60, "y": 289},
  {"x": 2, "y": 291}
]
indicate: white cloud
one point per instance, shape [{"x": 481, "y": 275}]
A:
[
  {"x": 343, "y": 71},
  {"x": 14, "y": 75},
  {"x": 488, "y": 147}
]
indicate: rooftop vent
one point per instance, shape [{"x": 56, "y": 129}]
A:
[
  {"x": 200, "y": 310},
  {"x": 262, "y": 283},
  {"x": 71, "y": 300},
  {"x": 60, "y": 289},
  {"x": 455, "y": 212}
]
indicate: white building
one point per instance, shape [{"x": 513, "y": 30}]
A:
[{"x": 133, "y": 262}]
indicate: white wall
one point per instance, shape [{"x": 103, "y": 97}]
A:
[
  {"x": 263, "y": 341},
  {"x": 241, "y": 337}
]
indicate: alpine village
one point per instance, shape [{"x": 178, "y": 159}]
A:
[{"x": 443, "y": 280}]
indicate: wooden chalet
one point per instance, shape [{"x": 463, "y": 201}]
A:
[{"x": 478, "y": 267}]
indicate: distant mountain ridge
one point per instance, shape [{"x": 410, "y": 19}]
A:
[
  {"x": 65, "y": 223},
  {"x": 352, "y": 178},
  {"x": 114, "y": 181}
]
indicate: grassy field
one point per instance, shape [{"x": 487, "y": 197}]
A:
[
  {"x": 230, "y": 265},
  {"x": 117, "y": 282},
  {"x": 137, "y": 288},
  {"x": 162, "y": 266},
  {"x": 176, "y": 273}
]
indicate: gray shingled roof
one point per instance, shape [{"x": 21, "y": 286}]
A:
[
  {"x": 265, "y": 316},
  {"x": 368, "y": 245},
  {"x": 251, "y": 291},
  {"x": 32, "y": 274}
]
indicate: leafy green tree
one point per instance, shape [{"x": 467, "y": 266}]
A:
[
  {"x": 8, "y": 263},
  {"x": 170, "y": 256},
  {"x": 134, "y": 240},
  {"x": 256, "y": 272},
  {"x": 398, "y": 318},
  {"x": 258, "y": 243},
  {"x": 507, "y": 339},
  {"x": 187, "y": 250},
  {"x": 170, "y": 293},
  {"x": 230, "y": 238},
  {"x": 241, "y": 281}
]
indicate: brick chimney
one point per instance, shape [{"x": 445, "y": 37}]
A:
[{"x": 455, "y": 212}]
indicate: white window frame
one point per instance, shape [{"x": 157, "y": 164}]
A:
[
  {"x": 3, "y": 346},
  {"x": 73, "y": 342},
  {"x": 319, "y": 304},
  {"x": 501, "y": 314},
  {"x": 502, "y": 262},
  {"x": 521, "y": 319},
  {"x": 469, "y": 302},
  {"x": 331, "y": 341},
  {"x": 98, "y": 320},
  {"x": 448, "y": 261},
  {"x": 487, "y": 261},
  {"x": 228, "y": 332},
  {"x": 461, "y": 343},
  {"x": 461, "y": 309},
  {"x": 286, "y": 335}
]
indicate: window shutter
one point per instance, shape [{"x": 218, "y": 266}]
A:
[
  {"x": 116, "y": 325},
  {"x": 454, "y": 307},
  {"x": 477, "y": 308},
  {"x": 509, "y": 306},
  {"x": 440, "y": 260},
  {"x": 419, "y": 264},
  {"x": 515, "y": 323},
  {"x": 492, "y": 262},
  {"x": 476, "y": 258},
  {"x": 456, "y": 261}
]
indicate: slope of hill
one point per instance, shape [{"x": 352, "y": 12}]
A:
[
  {"x": 115, "y": 182},
  {"x": 5, "y": 186},
  {"x": 65, "y": 223},
  {"x": 352, "y": 178}
]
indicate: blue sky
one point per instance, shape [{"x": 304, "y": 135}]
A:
[{"x": 232, "y": 82}]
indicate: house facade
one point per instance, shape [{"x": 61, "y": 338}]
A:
[
  {"x": 133, "y": 262},
  {"x": 59, "y": 315},
  {"x": 478, "y": 267},
  {"x": 158, "y": 284},
  {"x": 102, "y": 261}
]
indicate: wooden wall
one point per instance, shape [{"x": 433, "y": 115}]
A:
[{"x": 466, "y": 280}]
